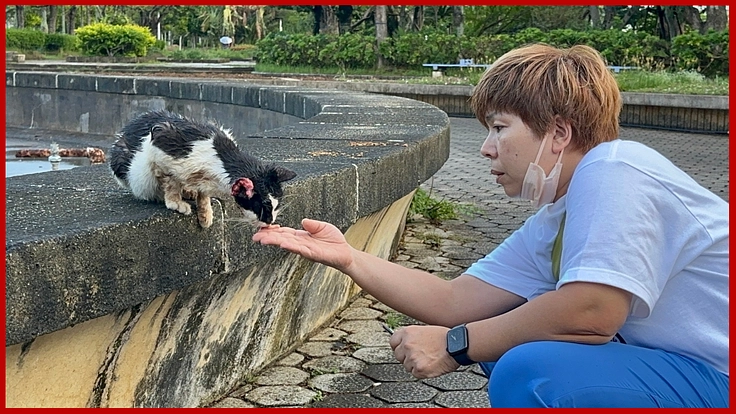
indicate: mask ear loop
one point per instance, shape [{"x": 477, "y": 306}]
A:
[{"x": 539, "y": 153}]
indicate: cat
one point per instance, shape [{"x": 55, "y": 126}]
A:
[{"x": 164, "y": 156}]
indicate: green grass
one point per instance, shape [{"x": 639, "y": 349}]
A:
[
  {"x": 629, "y": 81},
  {"x": 436, "y": 211},
  {"x": 669, "y": 82}
]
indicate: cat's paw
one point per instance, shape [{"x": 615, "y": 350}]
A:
[
  {"x": 205, "y": 218},
  {"x": 181, "y": 206}
]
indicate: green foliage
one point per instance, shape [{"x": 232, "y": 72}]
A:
[
  {"x": 292, "y": 50},
  {"x": 687, "y": 82},
  {"x": 102, "y": 39},
  {"x": 412, "y": 49},
  {"x": 432, "y": 209},
  {"x": 60, "y": 42},
  {"x": 24, "y": 40},
  {"x": 707, "y": 54}
]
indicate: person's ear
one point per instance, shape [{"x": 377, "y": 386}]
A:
[{"x": 562, "y": 134}]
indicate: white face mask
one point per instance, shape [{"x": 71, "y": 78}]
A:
[{"x": 537, "y": 187}]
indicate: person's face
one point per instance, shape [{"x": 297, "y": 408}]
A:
[{"x": 511, "y": 146}]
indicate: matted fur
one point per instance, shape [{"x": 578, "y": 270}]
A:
[{"x": 166, "y": 157}]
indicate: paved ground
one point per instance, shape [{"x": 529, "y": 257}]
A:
[{"x": 349, "y": 362}]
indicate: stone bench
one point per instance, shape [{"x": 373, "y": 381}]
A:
[{"x": 11, "y": 56}]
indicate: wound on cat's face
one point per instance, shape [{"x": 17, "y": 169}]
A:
[{"x": 260, "y": 199}]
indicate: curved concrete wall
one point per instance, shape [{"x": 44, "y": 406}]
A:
[{"x": 115, "y": 302}]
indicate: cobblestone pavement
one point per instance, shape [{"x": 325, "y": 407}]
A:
[{"x": 349, "y": 362}]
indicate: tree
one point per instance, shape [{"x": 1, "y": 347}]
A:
[
  {"x": 458, "y": 20},
  {"x": 20, "y": 17},
  {"x": 344, "y": 18},
  {"x": 53, "y": 19},
  {"x": 72, "y": 19},
  {"x": 44, "y": 20},
  {"x": 381, "y": 32}
]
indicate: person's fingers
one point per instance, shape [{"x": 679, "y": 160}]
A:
[{"x": 313, "y": 226}]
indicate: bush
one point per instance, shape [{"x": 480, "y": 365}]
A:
[
  {"x": 707, "y": 54},
  {"x": 24, "y": 40},
  {"x": 102, "y": 39},
  {"x": 59, "y": 42}
]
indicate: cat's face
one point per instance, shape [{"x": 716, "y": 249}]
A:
[{"x": 260, "y": 197}]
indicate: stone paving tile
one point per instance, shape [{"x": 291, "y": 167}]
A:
[
  {"x": 463, "y": 399},
  {"x": 316, "y": 349},
  {"x": 335, "y": 364},
  {"x": 359, "y": 313},
  {"x": 387, "y": 373},
  {"x": 341, "y": 383},
  {"x": 356, "y": 339},
  {"x": 291, "y": 360},
  {"x": 363, "y": 325},
  {"x": 368, "y": 338},
  {"x": 280, "y": 396},
  {"x": 281, "y": 376},
  {"x": 348, "y": 401},
  {"x": 456, "y": 381},
  {"x": 412, "y": 392},
  {"x": 328, "y": 334},
  {"x": 376, "y": 355},
  {"x": 231, "y": 402}
]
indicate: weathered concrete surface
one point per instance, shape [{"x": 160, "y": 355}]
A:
[
  {"x": 112, "y": 301},
  {"x": 181, "y": 349}
]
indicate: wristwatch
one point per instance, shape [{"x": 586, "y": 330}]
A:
[{"x": 457, "y": 345}]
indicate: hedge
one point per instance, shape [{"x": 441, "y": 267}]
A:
[{"x": 707, "y": 54}]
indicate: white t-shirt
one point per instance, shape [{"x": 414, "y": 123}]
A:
[{"x": 637, "y": 222}]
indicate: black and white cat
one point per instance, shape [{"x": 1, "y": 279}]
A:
[{"x": 167, "y": 157}]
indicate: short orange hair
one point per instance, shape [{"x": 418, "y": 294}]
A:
[{"x": 538, "y": 82}]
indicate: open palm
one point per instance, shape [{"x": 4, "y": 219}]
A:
[{"x": 320, "y": 241}]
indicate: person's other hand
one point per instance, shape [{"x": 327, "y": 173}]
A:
[
  {"x": 319, "y": 241},
  {"x": 422, "y": 350}
]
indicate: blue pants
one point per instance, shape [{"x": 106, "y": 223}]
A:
[{"x": 614, "y": 375}]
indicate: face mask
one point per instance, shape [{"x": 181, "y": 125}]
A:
[{"x": 537, "y": 187}]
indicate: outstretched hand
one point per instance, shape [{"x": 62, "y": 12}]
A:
[{"x": 319, "y": 241}]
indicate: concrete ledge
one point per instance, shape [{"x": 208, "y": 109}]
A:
[
  {"x": 693, "y": 113},
  {"x": 112, "y": 301}
]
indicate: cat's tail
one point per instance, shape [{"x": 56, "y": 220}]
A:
[{"x": 120, "y": 159}]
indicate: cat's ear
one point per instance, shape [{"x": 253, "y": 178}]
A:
[
  {"x": 284, "y": 174},
  {"x": 242, "y": 186}
]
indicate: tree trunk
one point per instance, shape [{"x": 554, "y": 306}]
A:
[
  {"x": 53, "y": 17},
  {"x": 381, "y": 32},
  {"x": 609, "y": 12},
  {"x": 458, "y": 20},
  {"x": 595, "y": 16},
  {"x": 692, "y": 17},
  {"x": 344, "y": 19},
  {"x": 418, "y": 17},
  {"x": 317, "y": 13},
  {"x": 44, "y": 19},
  {"x": 405, "y": 19},
  {"x": 72, "y": 19},
  {"x": 20, "y": 17},
  {"x": 260, "y": 25},
  {"x": 716, "y": 18}
]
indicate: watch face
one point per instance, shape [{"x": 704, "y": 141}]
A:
[{"x": 456, "y": 340}]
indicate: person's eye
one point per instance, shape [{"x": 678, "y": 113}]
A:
[{"x": 497, "y": 128}]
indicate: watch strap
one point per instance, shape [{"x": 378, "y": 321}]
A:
[{"x": 463, "y": 359}]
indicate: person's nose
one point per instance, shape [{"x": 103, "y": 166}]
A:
[{"x": 489, "y": 148}]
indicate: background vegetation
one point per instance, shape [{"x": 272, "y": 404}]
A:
[{"x": 689, "y": 42}]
